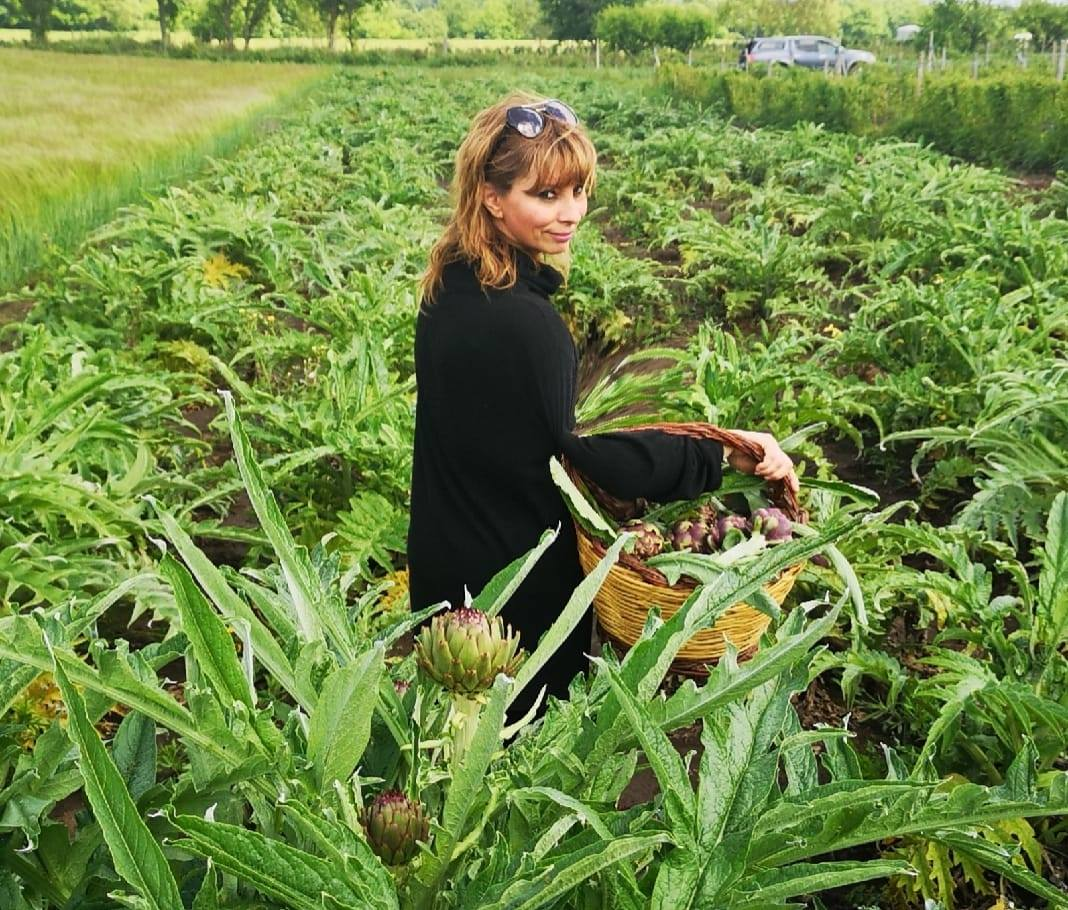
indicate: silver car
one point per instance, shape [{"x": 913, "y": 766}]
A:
[{"x": 812, "y": 51}]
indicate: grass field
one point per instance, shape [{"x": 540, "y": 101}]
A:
[{"x": 81, "y": 135}]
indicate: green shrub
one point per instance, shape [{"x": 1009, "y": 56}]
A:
[{"x": 1015, "y": 119}]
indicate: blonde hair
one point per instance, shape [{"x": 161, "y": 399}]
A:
[{"x": 494, "y": 154}]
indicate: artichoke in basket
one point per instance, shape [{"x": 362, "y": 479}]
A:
[
  {"x": 731, "y": 530},
  {"x": 394, "y": 825},
  {"x": 689, "y": 534},
  {"x": 649, "y": 539},
  {"x": 465, "y": 649},
  {"x": 773, "y": 524}
]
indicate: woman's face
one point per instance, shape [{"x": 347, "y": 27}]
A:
[{"x": 539, "y": 219}]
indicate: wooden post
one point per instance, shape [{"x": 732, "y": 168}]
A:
[
  {"x": 975, "y": 65},
  {"x": 597, "y": 53},
  {"x": 919, "y": 75},
  {"x": 930, "y": 51},
  {"x": 656, "y": 56},
  {"x": 943, "y": 67},
  {"x": 1061, "y": 60}
]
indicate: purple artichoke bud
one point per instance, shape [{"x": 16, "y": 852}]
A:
[
  {"x": 708, "y": 514},
  {"x": 649, "y": 538},
  {"x": 689, "y": 534},
  {"x": 401, "y": 687},
  {"x": 732, "y": 529},
  {"x": 773, "y": 524},
  {"x": 820, "y": 560},
  {"x": 394, "y": 824}
]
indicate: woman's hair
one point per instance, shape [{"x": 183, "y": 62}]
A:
[{"x": 493, "y": 153}]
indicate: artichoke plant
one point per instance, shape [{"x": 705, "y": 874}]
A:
[
  {"x": 773, "y": 524},
  {"x": 465, "y": 649},
  {"x": 394, "y": 825},
  {"x": 649, "y": 538}
]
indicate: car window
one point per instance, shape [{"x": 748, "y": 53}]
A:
[
  {"x": 772, "y": 45},
  {"x": 805, "y": 46},
  {"x": 827, "y": 49}
]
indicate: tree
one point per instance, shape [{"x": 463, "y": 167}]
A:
[
  {"x": 777, "y": 17},
  {"x": 963, "y": 24},
  {"x": 623, "y": 28},
  {"x": 39, "y": 14},
  {"x": 167, "y": 10},
  {"x": 332, "y": 10},
  {"x": 575, "y": 19},
  {"x": 252, "y": 13},
  {"x": 683, "y": 28},
  {"x": 1048, "y": 22}
]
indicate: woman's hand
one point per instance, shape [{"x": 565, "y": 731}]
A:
[{"x": 775, "y": 466}]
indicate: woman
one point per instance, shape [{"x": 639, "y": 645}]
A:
[{"x": 495, "y": 370}]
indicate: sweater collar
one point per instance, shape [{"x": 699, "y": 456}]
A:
[{"x": 543, "y": 279}]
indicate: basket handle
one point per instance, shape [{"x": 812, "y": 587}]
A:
[{"x": 781, "y": 493}]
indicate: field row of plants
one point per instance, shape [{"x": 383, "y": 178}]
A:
[
  {"x": 1014, "y": 119},
  {"x": 204, "y": 640}
]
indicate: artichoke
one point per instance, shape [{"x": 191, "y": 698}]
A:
[
  {"x": 394, "y": 824},
  {"x": 401, "y": 687},
  {"x": 732, "y": 529},
  {"x": 773, "y": 524},
  {"x": 689, "y": 534},
  {"x": 465, "y": 649},
  {"x": 649, "y": 538}
]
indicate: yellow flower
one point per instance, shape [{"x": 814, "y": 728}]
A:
[
  {"x": 218, "y": 270},
  {"x": 395, "y": 598},
  {"x": 832, "y": 330}
]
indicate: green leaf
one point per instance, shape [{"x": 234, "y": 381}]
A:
[
  {"x": 667, "y": 764},
  {"x": 1051, "y": 621},
  {"x": 340, "y": 725},
  {"x": 585, "y": 512},
  {"x": 233, "y": 608},
  {"x": 297, "y": 878},
  {"x": 212, "y": 645},
  {"x": 134, "y": 752},
  {"x": 137, "y": 856},
  {"x": 799, "y": 879},
  {"x": 568, "y": 872},
  {"x": 305, "y": 589}
]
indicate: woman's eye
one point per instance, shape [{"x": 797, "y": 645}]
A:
[
  {"x": 579, "y": 190},
  {"x": 547, "y": 194}
]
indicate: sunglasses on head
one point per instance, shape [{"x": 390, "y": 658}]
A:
[{"x": 528, "y": 120}]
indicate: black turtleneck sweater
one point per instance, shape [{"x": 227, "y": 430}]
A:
[{"x": 496, "y": 377}]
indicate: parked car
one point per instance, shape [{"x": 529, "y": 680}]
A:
[{"x": 812, "y": 51}]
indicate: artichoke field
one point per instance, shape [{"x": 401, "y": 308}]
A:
[{"x": 253, "y": 714}]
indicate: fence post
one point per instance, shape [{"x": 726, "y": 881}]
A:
[
  {"x": 943, "y": 67},
  {"x": 1061, "y": 59},
  {"x": 930, "y": 51},
  {"x": 919, "y": 75},
  {"x": 597, "y": 53},
  {"x": 975, "y": 65}
]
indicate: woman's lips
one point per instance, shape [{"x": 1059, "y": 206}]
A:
[{"x": 561, "y": 237}]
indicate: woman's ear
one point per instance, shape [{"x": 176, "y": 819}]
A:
[{"x": 491, "y": 199}]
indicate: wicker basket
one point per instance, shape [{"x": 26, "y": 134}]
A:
[{"x": 632, "y": 588}]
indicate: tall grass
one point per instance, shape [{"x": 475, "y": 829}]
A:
[{"x": 80, "y": 136}]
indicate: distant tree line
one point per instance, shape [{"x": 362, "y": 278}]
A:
[{"x": 631, "y": 26}]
